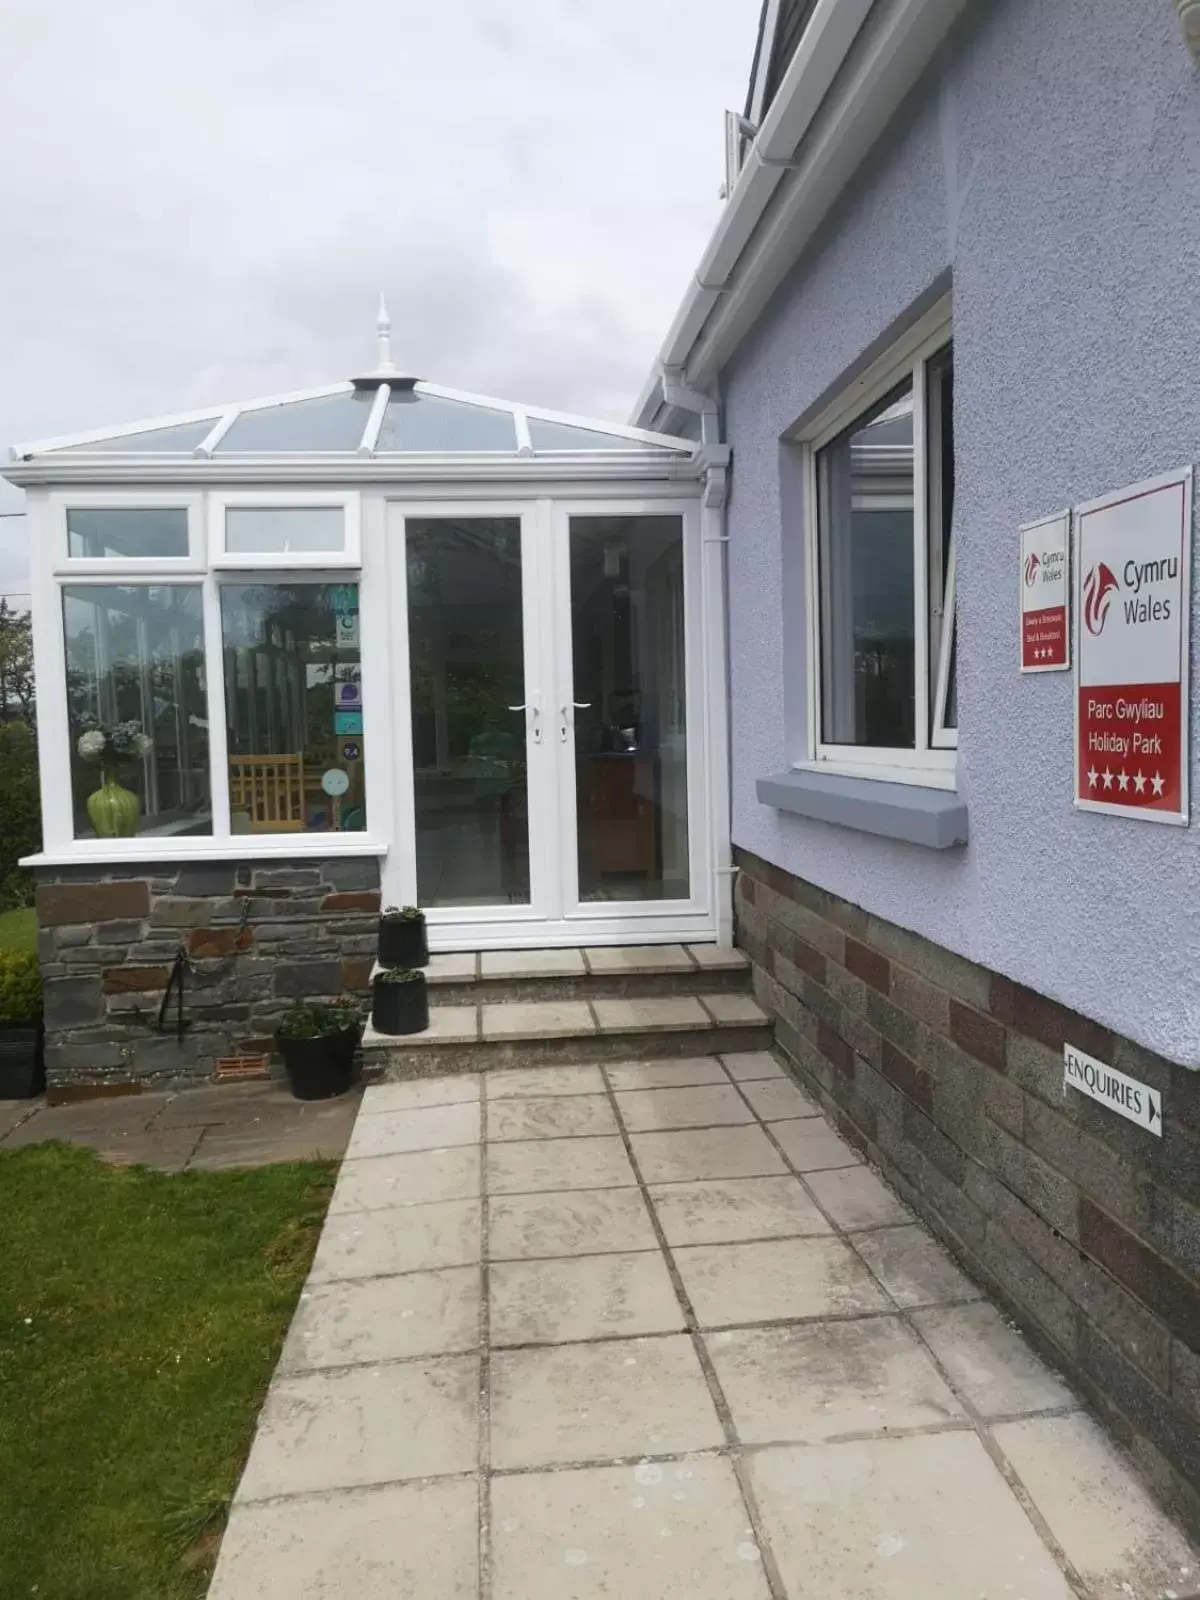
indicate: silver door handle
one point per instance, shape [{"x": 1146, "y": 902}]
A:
[
  {"x": 535, "y": 714},
  {"x": 582, "y": 705},
  {"x": 566, "y": 721}
]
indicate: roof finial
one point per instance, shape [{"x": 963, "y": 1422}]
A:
[{"x": 384, "y": 366}]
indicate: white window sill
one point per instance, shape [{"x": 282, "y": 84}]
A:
[
  {"x": 940, "y": 774},
  {"x": 915, "y": 813},
  {"x": 238, "y": 847}
]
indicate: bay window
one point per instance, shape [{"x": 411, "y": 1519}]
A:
[{"x": 881, "y": 573}]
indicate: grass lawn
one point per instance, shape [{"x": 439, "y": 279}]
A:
[
  {"x": 141, "y": 1315},
  {"x": 18, "y": 929}
]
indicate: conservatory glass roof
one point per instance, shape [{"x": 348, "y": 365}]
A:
[{"x": 385, "y": 415}]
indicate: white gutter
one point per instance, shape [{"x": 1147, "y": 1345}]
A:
[{"x": 744, "y": 263}]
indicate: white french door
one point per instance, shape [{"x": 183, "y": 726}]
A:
[{"x": 549, "y": 706}]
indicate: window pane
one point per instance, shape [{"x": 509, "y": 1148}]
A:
[
  {"x": 142, "y": 533},
  {"x": 182, "y": 439},
  {"x": 427, "y": 422},
  {"x": 329, "y": 422},
  {"x": 136, "y": 698},
  {"x": 466, "y": 641},
  {"x": 284, "y": 530},
  {"x": 293, "y": 707},
  {"x": 627, "y": 633},
  {"x": 865, "y": 529},
  {"x": 939, "y": 380}
]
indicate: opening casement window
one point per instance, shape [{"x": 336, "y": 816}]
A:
[
  {"x": 197, "y": 701},
  {"x": 881, "y": 563}
]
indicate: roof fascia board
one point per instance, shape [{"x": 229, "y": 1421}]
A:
[{"x": 728, "y": 290}]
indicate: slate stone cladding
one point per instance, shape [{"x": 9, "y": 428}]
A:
[
  {"x": 950, "y": 1078},
  {"x": 257, "y": 936}
]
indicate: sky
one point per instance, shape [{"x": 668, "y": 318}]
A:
[{"x": 203, "y": 203}]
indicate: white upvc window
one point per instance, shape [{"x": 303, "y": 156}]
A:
[
  {"x": 218, "y": 701},
  {"x": 274, "y": 529},
  {"x": 880, "y": 566}
]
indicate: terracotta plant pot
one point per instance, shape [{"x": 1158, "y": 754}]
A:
[
  {"x": 403, "y": 942},
  {"x": 114, "y": 811},
  {"x": 400, "y": 1007}
]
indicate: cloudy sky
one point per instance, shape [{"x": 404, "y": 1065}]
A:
[{"x": 202, "y": 202}]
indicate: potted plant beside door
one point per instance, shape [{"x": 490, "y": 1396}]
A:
[
  {"x": 317, "y": 1042},
  {"x": 400, "y": 1001},
  {"x": 22, "y": 1068},
  {"x": 403, "y": 941}
]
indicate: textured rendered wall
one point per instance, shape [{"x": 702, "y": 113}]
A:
[{"x": 1052, "y": 161}]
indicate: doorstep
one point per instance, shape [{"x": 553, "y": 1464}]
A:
[{"x": 616, "y": 972}]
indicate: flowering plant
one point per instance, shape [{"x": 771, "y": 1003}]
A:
[{"x": 122, "y": 741}]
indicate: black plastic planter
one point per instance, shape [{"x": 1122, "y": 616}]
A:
[
  {"x": 403, "y": 942},
  {"x": 400, "y": 1007},
  {"x": 318, "y": 1069},
  {"x": 22, "y": 1065}
]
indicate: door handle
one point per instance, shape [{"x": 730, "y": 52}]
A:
[
  {"x": 566, "y": 721},
  {"x": 535, "y": 718}
]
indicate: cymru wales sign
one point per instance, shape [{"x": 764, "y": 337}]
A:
[{"x": 1132, "y": 614}]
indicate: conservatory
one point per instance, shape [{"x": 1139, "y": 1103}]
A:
[{"x": 478, "y": 643}]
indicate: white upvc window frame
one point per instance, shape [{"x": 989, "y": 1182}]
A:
[
  {"x": 932, "y": 761},
  {"x": 54, "y": 570},
  {"x": 136, "y": 568},
  {"x": 222, "y": 560}
]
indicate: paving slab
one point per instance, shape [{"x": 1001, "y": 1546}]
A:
[
  {"x": 384, "y": 1319},
  {"x": 453, "y": 966},
  {"x": 989, "y": 1362},
  {"x": 554, "y": 1116},
  {"x": 524, "y": 1082},
  {"x": 704, "y": 1106},
  {"x": 584, "y": 1297},
  {"x": 172, "y": 1149},
  {"x": 531, "y": 964},
  {"x": 776, "y": 1280},
  {"x": 1117, "y": 1539},
  {"x": 675, "y": 1531},
  {"x": 591, "y": 1402},
  {"x": 419, "y": 1178},
  {"x": 748, "y": 1066},
  {"x": 705, "y": 1153},
  {"x": 778, "y": 1099},
  {"x": 14, "y": 1112},
  {"x": 678, "y": 1013},
  {"x": 538, "y": 1019},
  {"x": 921, "y": 1518},
  {"x": 529, "y": 1165},
  {"x": 393, "y": 1133},
  {"x": 723, "y": 1210},
  {"x": 409, "y": 1239},
  {"x": 377, "y": 1424},
  {"x": 457, "y": 1088},
  {"x": 629, "y": 1075},
  {"x": 811, "y": 1145},
  {"x": 580, "y": 1223},
  {"x": 914, "y": 1269},
  {"x": 374, "y": 1544},
  {"x": 735, "y": 1010},
  {"x": 856, "y": 1197},
  {"x": 718, "y": 958},
  {"x": 826, "y": 1380},
  {"x": 644, "y": 958}
]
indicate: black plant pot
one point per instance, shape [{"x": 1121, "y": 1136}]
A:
[
  {"x": 318, "y": 1069},
  {"x": 403, "y": 943},
  {"x": 22, "y": 1064},
  {"x": 400, "y": 1007}
]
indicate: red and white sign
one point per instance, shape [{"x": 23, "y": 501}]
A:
[
  {"x": 1045, "y": 635},
  {"x": 1132, "y": 615}
]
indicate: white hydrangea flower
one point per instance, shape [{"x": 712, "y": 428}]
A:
[{"x": 91, "y": 744}]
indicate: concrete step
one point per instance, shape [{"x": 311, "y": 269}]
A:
[
  {"x": 470, "y": 1038},
  {"x": 620, "y": 972}
]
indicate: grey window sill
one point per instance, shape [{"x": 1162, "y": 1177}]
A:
[{"x": 935, "y": 818}]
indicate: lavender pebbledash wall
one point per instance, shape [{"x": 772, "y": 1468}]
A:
[{"x": 1050, "y": 165}]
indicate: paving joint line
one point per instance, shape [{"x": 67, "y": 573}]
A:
[{"x": 770, "y": 1567}]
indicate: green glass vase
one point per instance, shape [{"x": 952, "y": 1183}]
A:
[{"x": 114, "y": 811}]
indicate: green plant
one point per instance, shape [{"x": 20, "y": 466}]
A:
[
  {"x": 319, "y": 1019},
  {"x": 20, "y": 812},
  {"x": 399, "y": 975},
  {"x": 401, "y": 914},
  {"x": 20, "y": 986}
]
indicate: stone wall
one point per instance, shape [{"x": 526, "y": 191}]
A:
[
  {"x": 950, "y": 1078},
  {"x": 256, "y": 937}
]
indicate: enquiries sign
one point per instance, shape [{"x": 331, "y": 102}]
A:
[
  {"x": 1132, "y": 615},
  {"x": 1044, "y": 590}
]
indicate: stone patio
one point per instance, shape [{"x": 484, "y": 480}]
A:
[{"x": 654, "y": 1331}]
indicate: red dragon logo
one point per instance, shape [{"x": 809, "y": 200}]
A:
[
  {"x": 1031, "y": 569},
  {"x": 1098, "y": 587}
]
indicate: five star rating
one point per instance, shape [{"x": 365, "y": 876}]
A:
[{"x": 1123, "y": 780}]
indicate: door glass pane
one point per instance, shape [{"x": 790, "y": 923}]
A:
[
  {"x": 293, "y": 707},
  {"x": 865, "y": 542},
  {"x": 630, "y": 729},
  {"x": 138, "y": 710},
  {"x": 466, "y": 653}
]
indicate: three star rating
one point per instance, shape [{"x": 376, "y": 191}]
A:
[{"x": 1123, "y": 780}]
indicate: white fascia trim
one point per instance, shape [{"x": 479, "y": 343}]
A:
[
  {"x": 619, "y": 430},
  {"x": 238, "y": 847},
  {"x": 176, "y": 419},
  {"x": 742, "y": 267}
]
